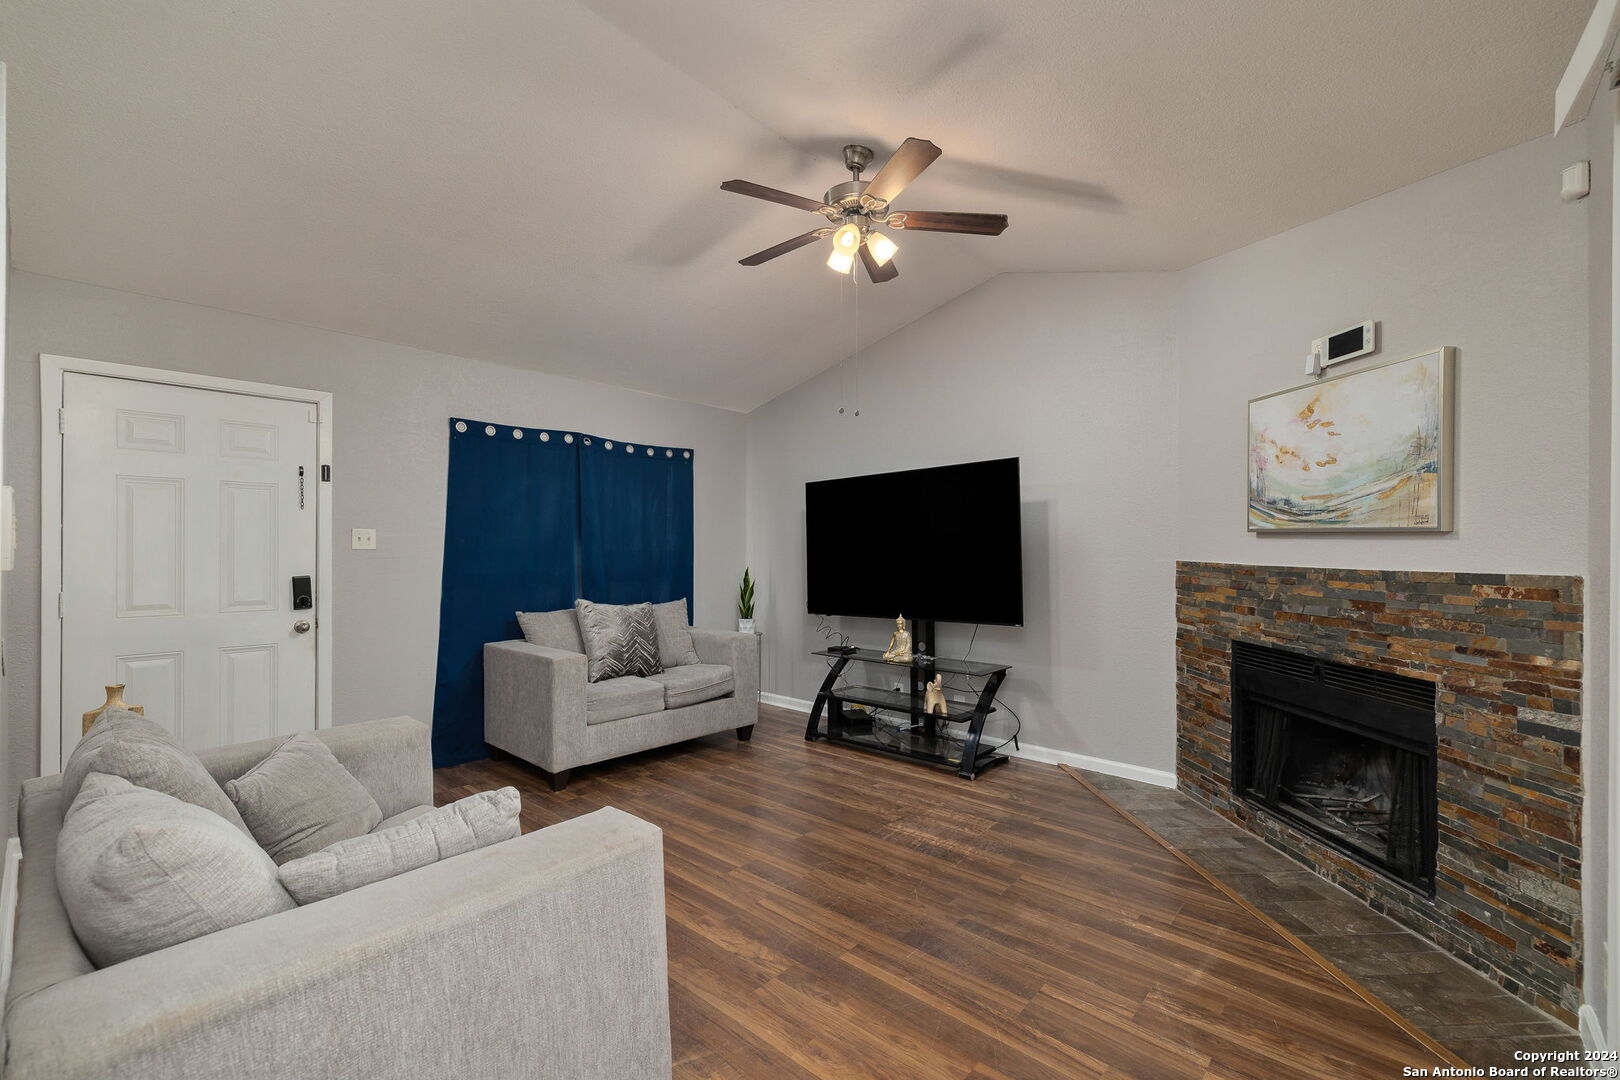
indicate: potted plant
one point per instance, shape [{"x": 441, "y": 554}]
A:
[{"x": 745, "y": 604}]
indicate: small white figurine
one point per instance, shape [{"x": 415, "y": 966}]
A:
[
  {"x": 934, "y": 697},
  {"x": 899, "y": 650}
]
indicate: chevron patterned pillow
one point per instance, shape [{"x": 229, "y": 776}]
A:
[{"x": 620, "y": 639}]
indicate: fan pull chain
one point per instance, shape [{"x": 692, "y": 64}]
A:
[
  {"x": 843, "y": 361},
  {"x": 855, "y": 345}
]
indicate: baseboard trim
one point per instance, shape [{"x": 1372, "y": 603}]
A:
[
  {"x": 1124, "y": 770},
  {"x": 781, "y": 701},
  {"x": 1592, "y": 1030},
  {"x": 1121, "y": 769}
]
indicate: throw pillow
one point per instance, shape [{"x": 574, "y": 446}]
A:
[
  {"x": 675, "y": 648},
  {"x": 139, "y": 870},
  {"x": 300, "y": 799},
  {"x": 620, "y": 639},
  {"x": 553, "y": 629},
  {"x": 474, "y": 822},
  {"x": 122, "y": 743}
]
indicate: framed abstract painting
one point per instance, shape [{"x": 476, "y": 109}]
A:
[{"x": 1366, "y": 452}]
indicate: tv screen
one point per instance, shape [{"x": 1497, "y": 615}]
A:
[{"x": 942, "y": 543}]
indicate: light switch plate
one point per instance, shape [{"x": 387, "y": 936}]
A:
[{"x": 363, "y": 539}]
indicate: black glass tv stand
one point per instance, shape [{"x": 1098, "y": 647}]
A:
[{"x": 966, "y": 740}]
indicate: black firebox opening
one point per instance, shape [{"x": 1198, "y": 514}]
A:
[{"x": 1346, "y": 754}]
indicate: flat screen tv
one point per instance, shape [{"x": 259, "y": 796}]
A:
[{"x": 942, "y": 544}]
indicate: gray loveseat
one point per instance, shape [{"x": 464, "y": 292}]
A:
[
  {"x": 540, "y": 706},
  {"x": 542, "y": 956}
]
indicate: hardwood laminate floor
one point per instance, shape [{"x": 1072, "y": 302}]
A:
[{"x": 843, "y": 916}]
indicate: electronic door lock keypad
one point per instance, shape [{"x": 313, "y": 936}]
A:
[{"x": 303, "y": 593}]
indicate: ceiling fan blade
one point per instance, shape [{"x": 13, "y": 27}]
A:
[
  {"x": 770, "y": 194},
  {"x": 908, "y": 162},
  {"x": 784, "y": 247},
  {"x": 943, "y": 221},
  {"x": 879, "y": 274}
]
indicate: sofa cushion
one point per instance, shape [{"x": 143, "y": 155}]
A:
[
  {"x": 139, "y": 871},
  {"x": 674, "y": 635},
  {"x": 553, "y": 629},
  {"x": 126, "y": 744},
  {"x": 615, "y": 699},
  {"x": 692, "y": 683},
  {"x": 301, "y": 799},
  {"x": 403, "y": 816},
  {"x": 474, "y": 822},
  {"x": 620, "y": 639}
]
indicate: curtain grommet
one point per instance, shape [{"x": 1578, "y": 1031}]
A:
[
  {"x": 461, "y": 426},
  {"x": 489, "y": 429},
  {"x": 545, "y": 436}
]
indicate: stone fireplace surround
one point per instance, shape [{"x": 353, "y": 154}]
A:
[{"x": 1505, "y": 653}]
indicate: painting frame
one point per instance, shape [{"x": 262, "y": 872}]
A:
[{"x": 1444, "y": 455}]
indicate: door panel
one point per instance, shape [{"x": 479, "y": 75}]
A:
[
  {"x": 247, "y": 701},
  {"x": 249, "y": 577},
  {"x": 151, "y": 546},
  {"x": 184, "y": 517},
  {"x": 156, "y": 681}
]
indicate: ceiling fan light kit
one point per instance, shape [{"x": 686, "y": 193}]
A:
[
  {"x": 883, "y": 248},
  {"x": 857, "y": 207}
]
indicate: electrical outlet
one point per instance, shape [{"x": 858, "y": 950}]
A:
[{"x": 363, "y": 539}]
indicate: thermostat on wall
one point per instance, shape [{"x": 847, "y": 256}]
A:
[{"x": 1358, "y": 340}]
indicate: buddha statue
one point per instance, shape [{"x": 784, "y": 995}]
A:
[{"x": 899, "y": 650}]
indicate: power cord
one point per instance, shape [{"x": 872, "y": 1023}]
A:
[
  {"x": 825, "y": 629},
  {"x": 1018, "y": 721}
]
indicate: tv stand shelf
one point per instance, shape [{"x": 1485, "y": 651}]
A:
[
  {"x": 943, "y": 664},
  {"x": 918, "y": 736}
]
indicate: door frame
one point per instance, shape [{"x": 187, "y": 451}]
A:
[{"x": 52, "y": 370}]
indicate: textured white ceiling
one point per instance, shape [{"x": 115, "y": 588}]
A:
[{"x": 536, "y": 183}]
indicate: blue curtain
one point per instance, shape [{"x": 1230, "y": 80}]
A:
[
  {"x": 635, "y": 523},
  {"x": 534, "y": 519},
  {"x": 510, "y": 544}
]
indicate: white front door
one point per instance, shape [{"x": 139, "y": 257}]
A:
[{"x": 186, "y": 514}]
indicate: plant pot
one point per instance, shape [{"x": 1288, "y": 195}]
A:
[{"x": 745, "y": 626}]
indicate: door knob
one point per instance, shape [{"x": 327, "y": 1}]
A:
[{"x": 301, "y": 626}]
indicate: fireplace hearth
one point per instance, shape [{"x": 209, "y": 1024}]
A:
[
  {"x": 1344, "y": 753},
  {"x": 1445, "y": 790}
]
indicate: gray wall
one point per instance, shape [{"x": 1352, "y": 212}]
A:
[
  {"x": 1484, "y": 257},
  {"x": 1072, "y": 373},
  {"x": 391, "y": 404}
]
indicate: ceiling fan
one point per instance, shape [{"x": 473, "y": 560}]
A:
[{"x": 856, "y": 209}]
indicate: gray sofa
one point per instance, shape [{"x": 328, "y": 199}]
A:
[
  {"x": 539, "y": 705},
  {"x": 543, "y": 956}
]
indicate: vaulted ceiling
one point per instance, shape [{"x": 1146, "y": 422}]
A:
[{"x": 536, "y": 183}]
